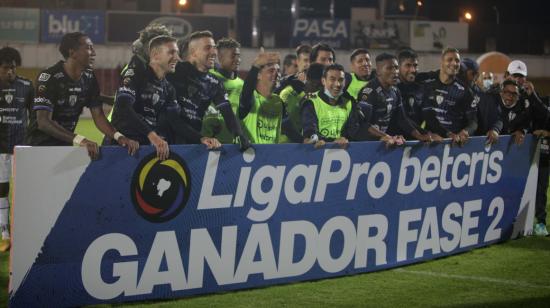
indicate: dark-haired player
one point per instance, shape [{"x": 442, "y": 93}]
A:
[
  {"x": 325, "y": 114},
  {"x": 63, "y": 90},
  {"x": 360, "y": 71},
  {"x": 448, "y": 106},
  {"x": 388, "y": 120},
  {"x": 229, "y": 58},
  {"x": 16, "y": 95}
]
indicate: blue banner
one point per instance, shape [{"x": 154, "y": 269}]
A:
[
  {"x": 56, "y": 23},
  {"x": 333, "y": 32},
  {"x": 135, "y": 228}
]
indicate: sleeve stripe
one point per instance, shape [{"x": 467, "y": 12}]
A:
[{"x": 50, "y": 109}]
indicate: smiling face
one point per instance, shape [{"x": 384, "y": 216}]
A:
[
  {"x": 230, "y": 58},
  {"x": 269, "y": 74},
  {"x": 361, "y": 65},
  {"x": 408, "y": 69},
  {"x": 450, "y": 63},
  {"x": 203, "y": 53},
  {"x": 334, "y": 82},
  {"x": 85, "y": 54},
  {"x": 168, "y": 56}
]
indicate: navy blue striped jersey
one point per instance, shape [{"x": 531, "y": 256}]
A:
[
  {"x": 387, "y": 113},
  {"x": 195, "y": 91},
  {"x": 15, "y": 104},
  {"x": 449, "y": 108},
  {"x": 140, "y": 100},
  {"x": 65, "y": 98},
  {"x": 412, "y": 94}
]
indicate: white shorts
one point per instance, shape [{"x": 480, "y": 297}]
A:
[{"x": 5, "y": 167}]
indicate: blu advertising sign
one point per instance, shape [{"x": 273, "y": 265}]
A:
[
  {"x": 56, "y": 23},
  {"x": 126, "y": 228}
]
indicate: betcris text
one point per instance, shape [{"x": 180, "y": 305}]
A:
[{"x": 267, "y": 248}]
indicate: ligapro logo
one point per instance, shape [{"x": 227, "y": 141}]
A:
[
  {"x": 179, "y": 26},
  {"x": 160, "y": 189}
]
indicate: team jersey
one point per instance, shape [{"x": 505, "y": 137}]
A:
[
  {"x": 292, "y": 97},
  {"x": 139, "y": 102},
  {"x": 448, "y": 108},
  {"x": 213, "y": 124},
  {"x": 522, "y": 116},
  {"x": 323, "y": 119},
  {"x": 387, "y": 113},
  {"x": 263, "y": 121},
  {"x": 64, "y": 98},
  {"x": 15, "y": 104},
  {"x": 411, "y": 96},
  {"x": 195, "y": 91},
  {"x": 354, "y": 85}
]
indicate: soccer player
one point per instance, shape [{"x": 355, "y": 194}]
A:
[
  {"x": 63, "y": 90},
  {"x": 388, "y": 119},
  {"x": 325, "y": 114},
  {"x": 260, "y": 109},
  {"x": 140, "y": 55},
  {"x": 449, "y": 107},
  {"x": 16, "y": 96},
  {"x": 410, "y": 88},
  {"x": 298, "y": 79},
  {"x": 290, "y": 67},
  {"x": 322, "y": 53},
  {"x": 142, "y": 100},
  {"x": 196, "y": 90},
  {"x": 360, "y": 71},
  {"x": 229, "y": 58}
]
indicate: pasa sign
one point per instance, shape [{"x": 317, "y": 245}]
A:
[{"x": 334, "y": 32}]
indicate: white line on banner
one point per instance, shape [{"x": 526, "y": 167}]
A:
[{"x": 475, "y": 278}]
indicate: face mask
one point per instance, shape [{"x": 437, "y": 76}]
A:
[
  {"x": 487, "y": 83},
  {"x": 327, "y": 93}
]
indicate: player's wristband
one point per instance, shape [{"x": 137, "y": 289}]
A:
[
  {"x": 77, "y": 140},
  {"x": 117, "y": 135}
]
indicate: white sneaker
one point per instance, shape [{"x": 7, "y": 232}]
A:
[{"x": 540, "y": 229}]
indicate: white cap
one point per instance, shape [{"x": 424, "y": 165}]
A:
[{"x": 517, "y": 67}]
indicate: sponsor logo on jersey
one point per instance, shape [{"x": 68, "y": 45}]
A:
[
  {"x": 439, "y": 99},
  {"x": 59, "y": 75},
  {"x": 72, "y": 100},
  {"x": 411, "y": 101},
  {"x": 44, "y": 77},
  {"x": 511, "y": 116},
  {"x": 475, "y": 101},
  {"x": 8, "y": 98},
  {"x": 160, "y": 189},
  {"x": 155, "y": 98},
  {"x": 129, "y": 72}
]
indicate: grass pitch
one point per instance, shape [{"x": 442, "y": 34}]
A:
[{"x": 512, "y": 274}]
